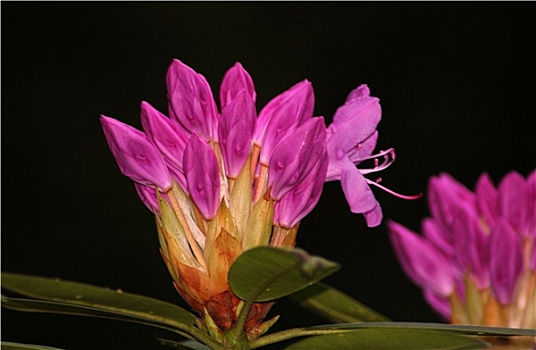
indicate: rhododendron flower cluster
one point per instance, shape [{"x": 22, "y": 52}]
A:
[
  {"x": 476, "y": 260},
  {"x": 221, "y": 181}
]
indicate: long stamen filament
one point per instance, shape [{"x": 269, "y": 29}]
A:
[
  {"x": 388, "y": 159},
  {"x": 416, "y": 196}
]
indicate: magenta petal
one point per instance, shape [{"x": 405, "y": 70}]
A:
[
  {"x": 148, "y": 197},
  {"x": 505, "y": 261},
  {"x": 362, "y": 91},
  {"x": 352, "y": 124},
  {"x": 295, "y": 156},
  {"x": 235, "y": 131},
  {"x": 374, "y": 217},
  {"x": 470, "y": 244},
  {"x": 532, "y": 259},
  {"x": 436, "y": 234},
  {"x": 364, "y": 149},
  {"x": 299, "y": 201},
  {"x": 202, "y": 176},
  {"x": 423, "y": 263},
  {"x": 168, "y": 137},
  {"x": 281, "y": 116},
  {"x": 530, "y": 229},
  {"x": 513, "y": 199},
  {"x": 235, "y": 80},
  {"x": 440, "y": 304},
  {"x": 190, "y": 100},
  {"x": 136, "y": 156},
  {"x": 356, "y": 189},
  {"x": 444, "y": 197},
  {"x": 486, "y": 199}
]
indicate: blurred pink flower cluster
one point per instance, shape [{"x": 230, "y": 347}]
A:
[{"x": 476, "y": 259}]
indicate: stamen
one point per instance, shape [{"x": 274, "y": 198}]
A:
[
  {"x": 388, "y": 159},
  {"x": 416, "y": 196}
]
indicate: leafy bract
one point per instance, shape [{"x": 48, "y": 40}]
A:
[{"x": 266, "y": 273}]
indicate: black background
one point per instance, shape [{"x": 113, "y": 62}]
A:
[{"x": 456, "y": 83}]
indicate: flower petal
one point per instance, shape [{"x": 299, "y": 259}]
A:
[
  {"x": 299, "y": 201},
  {"x": 148, "y": 197},
  {"x": 353, "y": 123},
  {"x": 374, "y": 217},
  {"x": 235, "y": 80},
  {"x": 295, "y": 156},
  {"x": 168, "y": 137},
  {"x": 202, "y": 176},
  {"x": 136, "y": 156},
  {"x": 444, "y": 196},
  {"x": 235, "y": 130},
  {"x": 470, "y": 244},
  {"x": 440, "y": 304},
  {"x": 423, "y": 263},
  {"x": 356, "y": 189},
  {"x": 436, "y": 234},
  {"x": 281, "y": 116},
  {"x": 505, "y": 259},
  {"x": 513, "y": 199},
  {"x": 486, "y": 200},
  {"x": 190, "y": 100}
]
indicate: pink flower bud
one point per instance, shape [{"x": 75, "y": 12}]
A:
[
  {"x": 190, "y": 101},
  {"x": 444, "y": 197},
  {"x": 235, "y": 80},
  {"x": 513, "y": 200},
  {"x": 442, "y": 239},
  {"x": 299, "y": 201},
  {"x": 470, "y": 243},
  {"x": 136, "y": 156},
  {"x": 168, "y": 137},
  {"x": 486, "y": 199},
  {"x": 234, "y": 132},
  {"x": 421, "y": 261},
  {"x": 202, "y": 176},
  {"x": 281, "y": 116},
  {"x": 295, "y": 156},
  {"x": 505, "y": 260}
]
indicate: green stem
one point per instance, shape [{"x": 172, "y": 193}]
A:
[{"x": 237, "y": 334}]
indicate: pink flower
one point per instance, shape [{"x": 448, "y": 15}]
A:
[
  {"x": 351, "y": 140},
  {"x": 223, "y": 181},
  {"x": 485, "y": 240}
]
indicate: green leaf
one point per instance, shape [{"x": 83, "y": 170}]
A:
[
  {"x": 19, "y": 346},
  {"x": 396, "y": 339},
  {"x": 267, "y": 273},
  {"x": 334, "y": 305},
  {"x": 103, "y": 299},
  {"x": 391, "y": 335},
  {"x": 53, "y": 307}
]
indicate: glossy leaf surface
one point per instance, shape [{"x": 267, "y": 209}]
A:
[
  {"x": 267, "y": 273},
  {"x": 102, "y": 299}
]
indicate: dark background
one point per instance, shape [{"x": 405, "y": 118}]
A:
[{"x": 456, "y": 83}]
